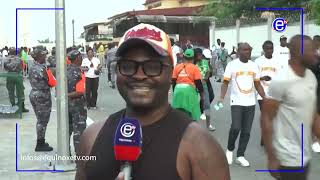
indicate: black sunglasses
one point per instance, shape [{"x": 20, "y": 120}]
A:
[{"x": 151, "y": 68}]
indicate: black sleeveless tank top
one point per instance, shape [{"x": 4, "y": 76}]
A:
[{"x": 158, "y": 160}]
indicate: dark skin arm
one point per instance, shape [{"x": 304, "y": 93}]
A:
[
  {"x": 174, "y": 83},
  {"x": 316, "y": 126},
  {"x": 200, "y": 157},
  {"x": 99, "y": 67},
  {"x": 265, "y": 78},
  {"x": 259, "y": 88},
  {"x": 207, "y": 76},
  {"x": 269, "y": 111},
  {"x": 224, "y": 89},
  {"x": 75, "y": 94},
  {"x": 86, "y": 142}
]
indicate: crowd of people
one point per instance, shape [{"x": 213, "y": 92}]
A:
[{"x": 144, "y": 68}]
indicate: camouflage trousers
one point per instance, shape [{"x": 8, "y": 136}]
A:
[
  {"x": 77, "y": 121},
  {"x": 41, "y": 103},
  {"x": 15, "y": 85}
]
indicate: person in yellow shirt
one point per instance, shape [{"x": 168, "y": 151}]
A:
[{"x": 101, "y": 52}]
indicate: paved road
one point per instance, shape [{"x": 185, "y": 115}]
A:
[{"x": 110, "y": 101}]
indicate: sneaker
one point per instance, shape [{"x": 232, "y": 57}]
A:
[
  {"x": 242, "y": 161},
  {"x": 203, "y": 117},
  {"x": 94, "y": 108},
  {"x": 229, "y": 155},
  {"x": 316, "y": 147},
  {"x": 211, "y": 128}
]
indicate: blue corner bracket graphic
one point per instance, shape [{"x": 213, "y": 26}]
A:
[
  {"x": 290, "y": 170},
  {"x": 17, "y": 10},
  {"x": 31, "y": 170},
  {"x": 289, "y": 9}
]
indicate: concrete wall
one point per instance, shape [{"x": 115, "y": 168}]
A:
[
  {"x": 194, "y": 3},
  {"x": 256, "y": 35}
]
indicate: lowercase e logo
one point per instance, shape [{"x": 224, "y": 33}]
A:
[
  {"x": 279, "y": 24},
  {"x": 127, "y": 130}
]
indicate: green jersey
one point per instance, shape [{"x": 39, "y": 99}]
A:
[{"x": 203, "y": 66}]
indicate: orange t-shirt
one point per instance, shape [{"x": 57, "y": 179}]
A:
[{"x": 186, "y": 73}]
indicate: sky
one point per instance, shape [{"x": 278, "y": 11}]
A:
[{"x": 40, "y": 25}]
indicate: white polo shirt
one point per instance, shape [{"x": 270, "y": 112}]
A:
[
  {"x": 242, "y": 76},
  {"x": 282, "y": 56},
  {"x": 267, "y": 67},
  {"x": 86, "y": 62},
  {"x": 4, "y": 53}
]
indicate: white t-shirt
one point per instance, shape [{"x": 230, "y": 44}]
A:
[
  {"x": 282, "y": 56},
  {"x": 175, "y": 50},
  {"x": 242, "y": 76},
  {"x": 267, "y": 67},
  {"x": 297, "y": 98},
  {"x": 4, "y": 53},
  {"x": 90, "y": 73}
]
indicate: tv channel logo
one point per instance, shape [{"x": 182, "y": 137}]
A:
[
  {"x": 127, "y": 130},
  {"x": 279, "y": 24}
]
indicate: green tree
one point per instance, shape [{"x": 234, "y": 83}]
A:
[
  {"x": 45, "y": 41},
  {"x": 245, "y": 8},
  {"x": 315, "y": 11}
]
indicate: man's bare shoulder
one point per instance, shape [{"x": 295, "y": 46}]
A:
[
  {"x": 196, "y": 134},
  {"x": 87, "y": 141},
  {"x": 205, "y": 156},
  {"x": 89, "y": 136}
]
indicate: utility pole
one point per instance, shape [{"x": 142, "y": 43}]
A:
[
  {"x": 73, "y": 32},
  {"x": 62, "y": 100}
]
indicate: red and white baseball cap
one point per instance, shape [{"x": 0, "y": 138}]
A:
[{"x": 155, "y": 37}]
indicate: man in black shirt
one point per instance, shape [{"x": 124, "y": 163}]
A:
[{"x": 173, "y": 147}]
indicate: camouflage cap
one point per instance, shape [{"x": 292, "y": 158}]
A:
[
  {"x": 72, "y": 55},
  {"x": 39, "y": 50},
  {"x": 12, "y": 51},
  {"x": 53, "y": 50}
]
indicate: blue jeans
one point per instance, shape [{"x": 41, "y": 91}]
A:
[{"x": 206, "y": 103}]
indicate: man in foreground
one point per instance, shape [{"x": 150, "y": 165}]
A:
[
  {"x": 291, "y": 104},
  {"x": 173, "y": 146},
  {"x": 316, "y": 70}
]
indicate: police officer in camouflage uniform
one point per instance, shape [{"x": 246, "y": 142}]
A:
[
  {"x": 52, "y": 61},
  {"x": 76, "y": 101},
  {"x": 40, "y": 96},
  {"x": 13, "y": 65}
]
